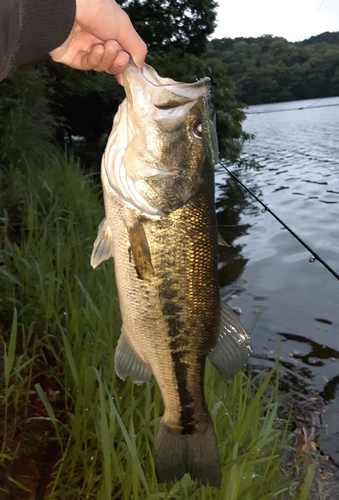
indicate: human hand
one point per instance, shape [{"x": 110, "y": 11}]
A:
[{"x": 102, "y": 38}]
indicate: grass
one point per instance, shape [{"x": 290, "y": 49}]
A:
[{"x": 69, "y": 428}]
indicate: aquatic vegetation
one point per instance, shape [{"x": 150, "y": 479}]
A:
[{"x": 69, "y": 428}]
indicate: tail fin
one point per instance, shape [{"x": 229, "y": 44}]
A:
[{"x": 197, "y": 453}]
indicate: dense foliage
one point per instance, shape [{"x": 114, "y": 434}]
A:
[
  {"x": 271, "y": 69},
  {"x": 27, "y": 127},
  {"x": 180, "y": 25}
]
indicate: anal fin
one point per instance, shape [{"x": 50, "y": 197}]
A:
[
  {"x": 233, "y": 346},
  {"x": 127, "y": 362}
]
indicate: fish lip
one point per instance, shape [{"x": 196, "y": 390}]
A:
[
  {"x": 135, "y": 77},
  {"x": 155, "y": 79}
]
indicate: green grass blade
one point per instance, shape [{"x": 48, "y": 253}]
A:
[
  {"x": 304, "y": 494},
  {"x": 48, "y": 407},
  {"x": 9, "y": 356},
  {"x": 106, "y": 440}
]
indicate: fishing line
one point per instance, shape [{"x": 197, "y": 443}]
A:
[
  {"x": 291, "y": 109},
  {"x": 314, "y": 255},
  {"x": 321, "y": 4}
]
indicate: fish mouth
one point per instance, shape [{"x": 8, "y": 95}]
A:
[
  {"x": 141, "y": 163},
  {"x": 164, "y": 92}
]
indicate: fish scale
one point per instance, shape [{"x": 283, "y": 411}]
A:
[{"x": 161, "y": 230}]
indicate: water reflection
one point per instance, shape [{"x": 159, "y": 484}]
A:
[
  {"x": 297, "y": 313},
  {"x": 231, "y": 203},
  {"x": 330, "y": 390},
  {"x": 323, "y": 320}
]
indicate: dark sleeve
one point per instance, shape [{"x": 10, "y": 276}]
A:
[{"x": 30, "y": 29}]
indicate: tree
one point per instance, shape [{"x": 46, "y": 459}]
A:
[
  {"x": 271, "y": 69},
  {"x": 173, "y": 25},
  {"x": 84, "y": 103},
  {"x": 327, "y": 36},
  {"x": 27, "y": 128}
]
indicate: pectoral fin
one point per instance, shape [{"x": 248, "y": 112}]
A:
[
  {"x": 233, "y": 346},
  {"x": 103, "y": 246},
  {"x": 127, "y": 362},
  {"x": 141, "y": 252}
]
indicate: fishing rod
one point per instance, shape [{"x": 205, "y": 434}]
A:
[{"x": 314, "y": 255}]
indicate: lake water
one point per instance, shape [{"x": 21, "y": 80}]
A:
[{"x": 289, "y": 303}]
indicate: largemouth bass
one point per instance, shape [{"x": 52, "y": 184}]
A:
[{"x": 160, "y": 227}]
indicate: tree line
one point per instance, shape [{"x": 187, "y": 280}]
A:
[{"x": 270, "y": 69}]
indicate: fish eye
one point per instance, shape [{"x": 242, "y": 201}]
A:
[{"x": 196, "y": 128}]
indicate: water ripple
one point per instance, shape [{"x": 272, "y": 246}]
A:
[{"x": 298, "y": 152}]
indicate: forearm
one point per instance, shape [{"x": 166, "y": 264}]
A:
[{"x": 31, "y": 28}]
